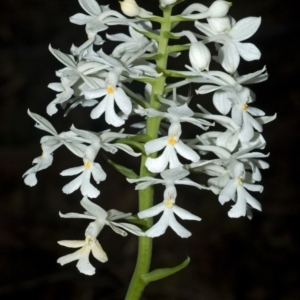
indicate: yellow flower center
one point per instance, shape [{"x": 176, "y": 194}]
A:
[
  {"x": 240, "y": 181},
  {"x": 245, "y": 106},
  {"x": 110, "y": 89},
  {"x": 87, "y": 164},
  {"x": 169, "y": 203},
  {"x": 89, "y": 240},
  {"x": 172, "y": 141}
]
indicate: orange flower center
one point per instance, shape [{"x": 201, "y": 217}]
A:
[
  {"x": 172, "y": 141},
  {"x": 110, "y": 89}
]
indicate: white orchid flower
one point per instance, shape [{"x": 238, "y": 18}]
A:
[
  {"x": 89, "y": 168},
  {"x": 171, "y": 145},
  {"x": 169, "y": 208},
  {"x": 102, "y": 218},
  {"x": 112, "y": 94},
  {"x": 235, "y": 189},
  {"x": 90, "y": 244},
  {"x": 229, "y": 54},
  {"x": 42, "y": 162},
  {"x": 130, "y": 44},
  {"x": 98, "y": 17}
]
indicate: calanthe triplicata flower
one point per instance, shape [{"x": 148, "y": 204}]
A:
[
  {"x": 169, "y": 208},
  {"x": 232, "y": 49},
  {"x": 112, "y": 94},
  {"x": 90, "y": 244}
]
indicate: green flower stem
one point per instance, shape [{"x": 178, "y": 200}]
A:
[{"x": 137, "y": 284}]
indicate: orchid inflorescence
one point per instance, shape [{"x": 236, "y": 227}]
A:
[{"x": 92, "y": 78}]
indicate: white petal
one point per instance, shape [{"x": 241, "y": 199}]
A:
[
  {"x": 30, "y": 179},
  {"x": 99, "y": 109},
  {"x": 156, "y": 145},
  {"x": 173, "y": 159},
  {"x": 157, "y": 165},
  {"x": 248, "y": 51},
  {"x": 91, "y": 7},
  {"x": 130, "y": 228},
  {"x": 237, "y": 115},
  {"x": 98, "y": 173},
  {"x": 184, "y": 214},
  {"x": 152, "y": 211},
  {"x": 70, "y": 257},
  {"x": 174, "y": 174},
  {"x": 99, "y": 253},
  {"x": 253, "y": 187},
  {"x": 80, "y": 19},
  {"x": 178, "y": 228},
  {"x": 255, "y": 111},
  {"x": 239, "y": 209},
  {"x": 245, "y": 28},
  {"x": 97, "y": 93},
  {"x": 71, "y": 244},
  {"x": 87, "y": 189},
  {"x": 123, "y": 101},
  {"x": 221, "y": 102},
  {"x": 186, "y": 151},
  {"x": 110, "y": 115},
  {"x": 252, "y": 201},
  {"x": 84, "y": 266},
  {"x": 227, "y": 140},
  {"x": 76, "y": 215},
  {"x": 228, "y": 192},
  {"x": 93, "y": 209},
  {"x": 229, "y": 57},
  {"x": 160, "y": 227},
  {"x": 73, "y": 185},
  {"x": 72, "y": 171}
]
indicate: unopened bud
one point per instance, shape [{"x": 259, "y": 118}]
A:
[
  {"x": 219, "y": 24},
  {"x": 219, "y": 9},
  {"x": 130, "y": 8},
  {"x": 164, "y": 3},
  {"x": 199, "y": 56}
]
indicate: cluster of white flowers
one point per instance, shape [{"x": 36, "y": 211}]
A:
[{"x": 93, "y": 78}]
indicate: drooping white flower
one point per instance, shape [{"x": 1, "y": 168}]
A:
[
  {"x": 66, "y": 93},
  {"x": 90, "y": 244},
  {"x": 49, "y": 144},
  {"x": 235, "y": 189},
  {"x": 169, "y": 208},
  {"x": 42, "y": 162},
  {"x": 112, "y": 94}
]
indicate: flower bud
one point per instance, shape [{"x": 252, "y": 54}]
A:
[
  {"x": 130, "y": 8},
  {"x": 164, "y": 3},
  {"x": 219, "y": 24},
  {"x": 199, "y": 56},
  {"x": 219, "y": 9}
]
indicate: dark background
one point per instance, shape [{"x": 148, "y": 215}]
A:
[{"x": 230, "y": 258}]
